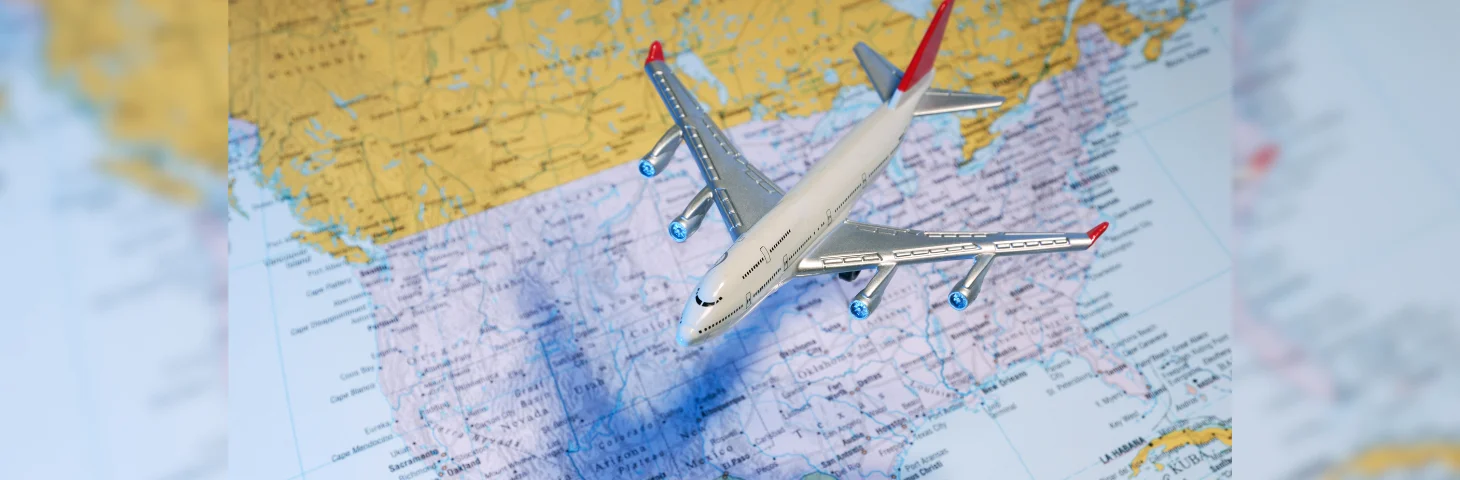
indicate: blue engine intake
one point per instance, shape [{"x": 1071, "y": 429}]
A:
[
  {"x": 678, "y": 231},
  {"x": 958, "y": 300}
]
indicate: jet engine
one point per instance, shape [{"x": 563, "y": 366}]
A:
[
  {"x": 658, "y": 157},
  {"x": 687, "y": 222},
  {"x": 867, "y": 300},
  {"x": 968, "y": 289}
]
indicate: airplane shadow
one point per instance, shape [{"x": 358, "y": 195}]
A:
[{"x": 624, "y": 417}]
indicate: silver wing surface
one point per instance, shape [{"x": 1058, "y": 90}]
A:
[
  {"x": 855, "y": 246},
  {"x": 741, "y": 192}
]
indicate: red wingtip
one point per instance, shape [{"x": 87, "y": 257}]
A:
[
  {"x": 1096, "y": 232},
  {"x": 922, "y": 59},
  {"x": 656, "y": 53}
]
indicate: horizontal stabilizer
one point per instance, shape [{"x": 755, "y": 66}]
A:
[
  {"x": 882, "y": 73},
  {"x": 947, "y": 101}
]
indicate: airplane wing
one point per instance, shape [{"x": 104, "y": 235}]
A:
[
  {"x": 741, "y": 192},
  {"x": 855, "y": 246}
]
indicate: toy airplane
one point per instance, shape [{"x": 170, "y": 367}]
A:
[{"x": 781, "y": 235}]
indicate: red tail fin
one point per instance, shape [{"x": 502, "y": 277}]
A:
[{"x": 922, "y": 61}]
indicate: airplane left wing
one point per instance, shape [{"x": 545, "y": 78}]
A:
[
  {"x": 739, "y": 190},
  {"x": 856, "y": 246}
]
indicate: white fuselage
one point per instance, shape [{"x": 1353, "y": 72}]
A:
[{"x": 765, "y": 257}]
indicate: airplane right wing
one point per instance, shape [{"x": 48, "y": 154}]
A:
[
  {"x": 739, "y": 190},
  {"x": 854, "y": 246}
]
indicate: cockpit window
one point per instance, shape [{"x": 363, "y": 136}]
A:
[{"x": 703, "y": 303}]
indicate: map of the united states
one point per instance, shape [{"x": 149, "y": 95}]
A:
[
  {"x": 530, "y": 338},
  {"x": 471, "y": 164}
]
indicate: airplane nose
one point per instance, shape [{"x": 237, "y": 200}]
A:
[{"x": 688, "y": 322}]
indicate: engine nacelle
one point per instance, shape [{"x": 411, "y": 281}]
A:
[
  {"x": 658, "y": 157},
  {"x": 867, "y": 300},
  {"x": 682, "y": 227},
  {"x": 967, "y": 290},
  {"x": 687, "y": 222}
]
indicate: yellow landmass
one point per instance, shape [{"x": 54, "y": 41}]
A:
[
  {"x": 1178, "y": 439},
  {"x": 1390, "y": 459},
  {"x": 389, "y": 118},
  {"x": 157, "y": 68},
  {"x": 152, "y": 176},
  {"x": 1120, "y": 26},
  {"x": 329, "y": 241}
]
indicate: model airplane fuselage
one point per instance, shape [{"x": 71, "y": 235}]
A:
[
  {"x": 782, "y": 235},
  {"x": 768, "y": 254}
]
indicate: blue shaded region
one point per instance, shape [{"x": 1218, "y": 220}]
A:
[
  {"x": 492, "y": 10},
  {"x": 692, "y": 66},
  {"x": 920, "y": 9},
  {"x": 567, "y": 13},
  {"x": 345, "y": 104},
  {"x": 423, "y": 158},
  {"x": 422, "y": 193},
  {"x": 829, "y": 76},
  {"x": 615, "y": 11},
  {"x": 391, "y": 164},
  {"x": 548, "y": 49}
]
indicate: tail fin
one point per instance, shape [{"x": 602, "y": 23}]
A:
[{"x": 922, "y": 61}]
